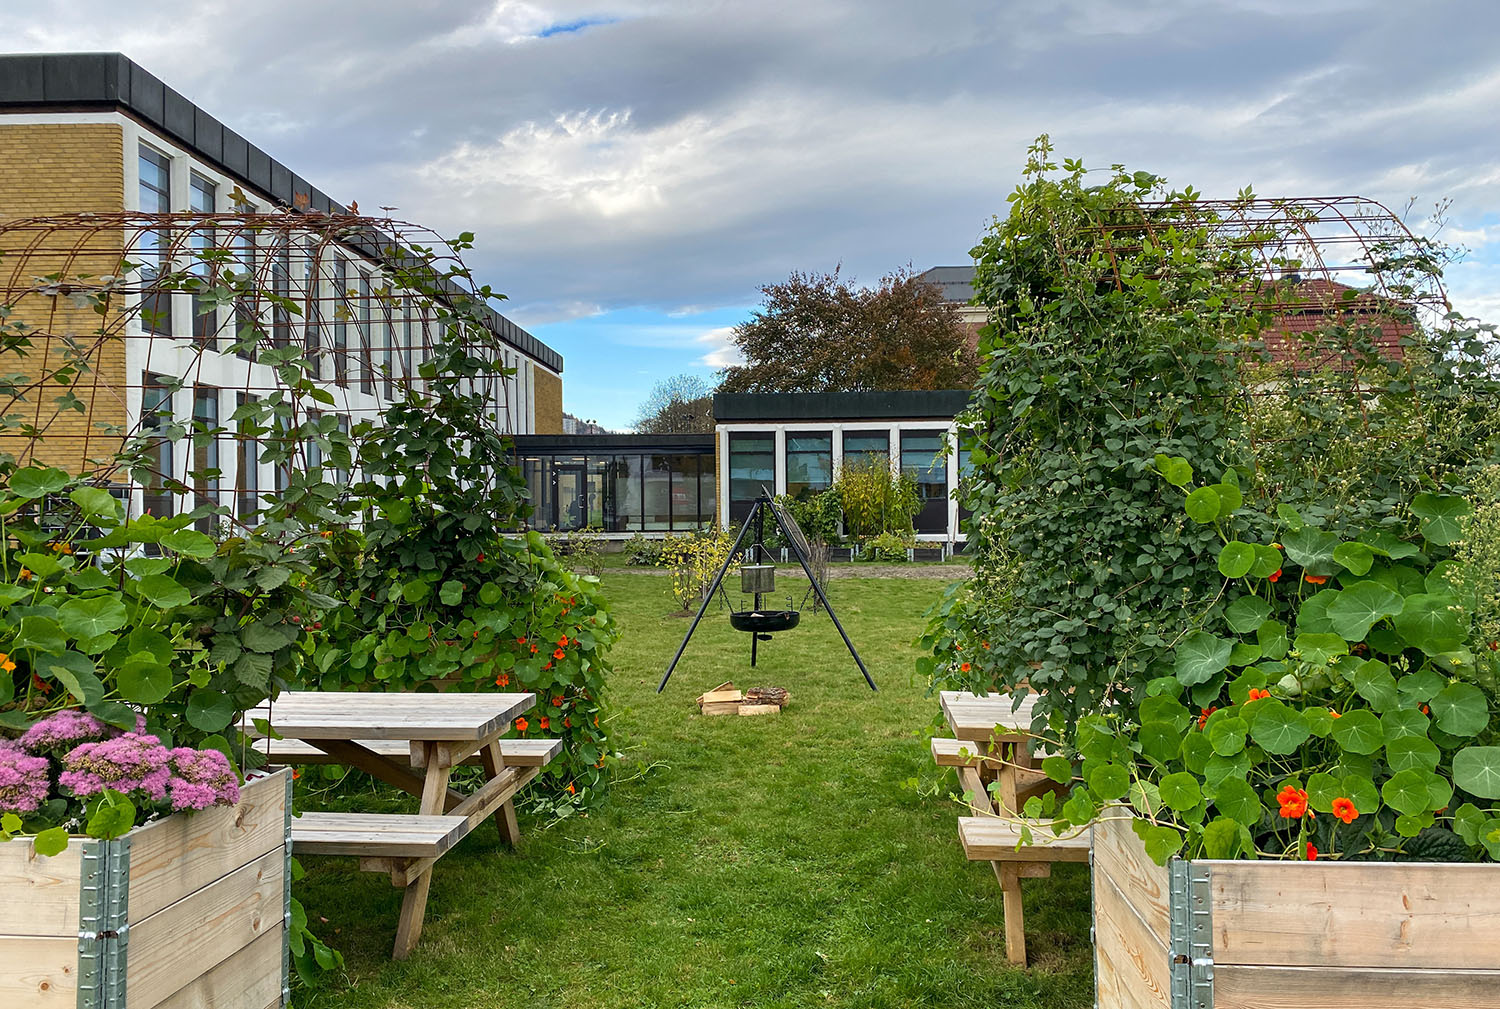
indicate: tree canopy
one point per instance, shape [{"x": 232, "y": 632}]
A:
[
  {"x": 682, "y": 404},
  {"x": 816, "y": 332}
]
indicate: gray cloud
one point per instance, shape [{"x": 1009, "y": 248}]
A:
[{"x": 685, "y": 152}]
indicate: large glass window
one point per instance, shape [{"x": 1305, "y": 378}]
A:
[
  {"x": 687, "y": 492},
  {"x": 387, "y": 341},
  {"x": 155, "y": 197},
  {"x": 809, "y": 462},
  {"x": 205, "y": 452},
  {"x": 202, "y": 199},
  {"x": 407, "y": 336},
  {"x": 156, "y": 417},
  {"x": 539, "y": 486},
  {"x": 867, "y": 447},
  {"x": 247, "y": 472},
  {"x": 340, "y": 321},
  {"x": 281, "y": 286},
  {"x": 312, "y": 312},
  {"x": 247, "y": 303},
  {"x": 752, "y": 465},
  {"x": 366, "y": 323},
  {"x": 923, "y": 460},
  {"x": 657, "y": 493},
  {"x": 627, "y": 500}
]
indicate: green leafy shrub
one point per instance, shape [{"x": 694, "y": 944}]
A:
[
  {"x": 694, "y": 560},
  {"x": 819, "y": 516},
  {"x": 643, "y": 551},
  {"x": 891, "y": 546},
  {"x": 1338, "y": 706},
  {"x": 875, "y": 501}
]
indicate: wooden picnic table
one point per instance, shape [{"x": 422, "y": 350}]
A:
[{"x": 442, "y": 730}]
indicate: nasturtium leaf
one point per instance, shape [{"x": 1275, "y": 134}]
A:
[
  {"x": 1322, "y": 789},
  {"x": 163, "y": 590},
  {"x": 1357, "y": 557},
  {"x": 1461, "y": 709},
  {"x": 52, "y": 841},
  {"x": 1406, "y": 792},
  {"x": 1227, "y": 735},
  {"x": 1361, "y": 791},
  {"x": 1108, "y": 781},
  {"x": 89, "y": 618},
  {"x": 1467, "y": 821},
  {"x": 1236, "y": 799},
  {"x": 98, "y": 506},
  {"x": 1312, "y": 549},
  {"x": 1439, "y": 791},
  {"x": 1271, "y": 636},
  {"x": 1253, "y": 678},
  {"x": 1236, "y": 559},
  {"x": 1267, "y": 561},
  {"x": 209, "y": 710},
  {"x": 415, "y": 591},
  {"x": 1199, "y": 656},
  {"x": 1161, "y": 843},
  {"x": 1411, "y": 753},
  {"x": 1059, "y": 769},
  {"x": 41, "y": 633},
  {"x": 1387, "y": 544},
  {"x": 1222, "y": 838},
  {"x": 1275, "y": 727},
  {"x": 189, "y": 543},
  {"x": 89, "y": 580},
  {"x": 1246, "y": 613},
  {"x": 1360, "y": 606},
  {"x": 451, "y": 593},
  {"x": 1159, "y": 740},
  {"x": 1243, "y": 654},
  {"x": 1079, "y": 809},
  {"x": 1218, "y": 769},
  {"x": 41, "y": 565},
  {"x": 143, "y": 681},
  {"x": 1403, "y": 722},
  {"x": 1180, "y": 791},
  {"x": 143, "y": 566},
  {"x": 1176, "y": 470},
  {"x": 1373, "y": 681},
  {"x": 1430, "y": 622},
  {"x": 1289, "y": 516},
  {"x": 1162, "y": 707},
  {"x": 490, "y": 593},
  {"x": 1196, "y": 750},
  {"x": 1319, "y": 649},
  {"x": 1408, "y": 825},
  {"x": 1203, "y": 505},
  {"x": 1358, "y": 731},
  {"x": 75, "y": 672},
  {"x": 1230, "y": 498},
  {"x": 1441, "y": 515},
  {"x": 1419, "y": 687},
  {"x": 34, "y": 482},
  {"x": 110, "y": 815}
]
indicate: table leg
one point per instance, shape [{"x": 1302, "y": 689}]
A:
[
  {"x": 505, "y": 816},
  {"x": 414, "y": 900},
  {"x": 1015, "y": 921},
  {"x": 1006, "y": 775}
]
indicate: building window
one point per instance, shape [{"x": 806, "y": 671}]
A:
[
  {"x": 366, "y": 321},
  {"x": 341, "y": 321},
  {"x": 156, "y": 418},
  {"x": 656, "y": 492},
  {"x": 687, "y": 493},
  {"x": 312, "y": 311},
  {"x": 809, "y": 462},
  {"x": 155, "y": 171},
  {"x": 247, "y": 473},
  {"x": 864, "y": 447},
  {"x": 205, "y": 473},
  {"x": 247, "y": 301},
  {"x": 341, "y": 476},
  {"x": 406, "y": 350},
  {"x": 311, "y": 449},
  {"x": 923, "y": 459},
  {"x": 202, "y": 199},
  {"x": 387, "y": 343},
  {"x": 281, "y": 287},
  {"x": 752, "y": 465}
]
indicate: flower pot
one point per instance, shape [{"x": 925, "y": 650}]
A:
[
  {"x": 1274, "y": 934},
  {"x": 187, "y": 911}
]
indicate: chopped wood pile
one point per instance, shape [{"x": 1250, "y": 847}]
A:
[{"x": 726, "y": 700}]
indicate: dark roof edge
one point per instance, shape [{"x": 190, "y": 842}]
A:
[
  {"x": 84, "y": 82},
  {"x": 904, "y": 404},
  {"x": 608, "y": 442}
]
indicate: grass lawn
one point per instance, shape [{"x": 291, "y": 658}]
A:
[{"x": 783, "y": 860}]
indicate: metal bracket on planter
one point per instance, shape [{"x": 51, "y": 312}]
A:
[
  {"x": 104, "y": 923},
  {"x": 1093, "y": 912},
  {"x": 1192, "y": 936},
  {"x": 286, "y": 903}
]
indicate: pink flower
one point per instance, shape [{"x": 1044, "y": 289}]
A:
[
  {"x": 25, "y": 781},
  {"x": 202, "y": 778},
  {"x": 131, "y": 763},
  {"x": 63, "y": 730}
]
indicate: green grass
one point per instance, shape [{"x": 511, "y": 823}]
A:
[{"x": 780, "y": 861}]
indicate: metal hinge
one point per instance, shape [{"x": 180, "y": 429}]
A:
[
  {"x": 1192, "y": 936},
  {"x": 286, "y": 903},
  {"x": 103, "y": 923}
]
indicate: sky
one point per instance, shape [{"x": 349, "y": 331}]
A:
[{"x": 635, "y": 170}]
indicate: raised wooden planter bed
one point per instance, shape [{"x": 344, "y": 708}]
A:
[
  {"x": 187, "y": 912},
  {"x": 1290, "y": 935}
]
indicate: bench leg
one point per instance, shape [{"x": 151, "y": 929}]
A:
[
  {"x": 1015, "y": 919},
  {"x": 505, "y": 816},
  {"x": 414, "y": 900}
]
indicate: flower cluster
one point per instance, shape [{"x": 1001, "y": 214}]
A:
[
  {"x": 62, "y": 730},
  {"x": 130, "y": 763},
  {"x": 25, "y": 780},
  {"x": 201, "y": 778}
]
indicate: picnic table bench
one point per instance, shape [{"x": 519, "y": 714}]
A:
[
  {"x": 991, "y": 742},
  {"x": 411, "y": 741}
]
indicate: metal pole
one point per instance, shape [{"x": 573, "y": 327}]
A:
[{"x": 708, "y": 598}]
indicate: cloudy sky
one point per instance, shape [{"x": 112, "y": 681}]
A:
[{"x": 635, "y": 169}]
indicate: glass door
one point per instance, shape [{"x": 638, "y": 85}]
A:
[{"x": 571, "y": 496}]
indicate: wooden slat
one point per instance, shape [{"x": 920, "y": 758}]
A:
[
  {"x": 1240, "y": 987},
  {"x": 991, "y": 839},
  {"x": 948, "y": 752},
  {"x": 1356, "y": 914},
  {"x": 363, "y": 715},
  {"x": 41, "y": 893},
  {"x": 982, "y": 719},
  {"x": 400, "y": 835},
  {"x": 1120, "y": 857},
  {"x": 250, "y": 979},
  {"x": 172, "y": 857},
  {"x": 39, "y": 972},
  {"x": 1133, "y": 968},
  {"x": 517, "y": 752},
  {"x": 204, "y": 929}
]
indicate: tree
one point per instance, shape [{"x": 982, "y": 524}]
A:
[
  {"x": 682, "y": 404},
  {"x": 819, "y": 333}
]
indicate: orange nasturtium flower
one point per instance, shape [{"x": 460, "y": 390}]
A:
[
  {"x": 1275, "y": 576},
  {"x": 1203, "y": 718},
  {"x": 571, "y": 789},
  {"x": 557, "y": 702},
  {"x": 1256, "y": 694},
  {"x": 964, "y": 668},
  {"x": 543, "y": 723},
  {"x": 503, "y": 680},
  {"x": 1314, "y": 579},
  {"x": 559, "y": 654},
  {"x": 1344, "y": 809},
  {"x": 1334, "y": 714},
  {"x": 1293, "y": 803},
  {"x": 521, "y": 724},
  {"x": 1312, "y": 852},
  {"x": 562, "y": 642},
  {"x": 7, "y": 663}
]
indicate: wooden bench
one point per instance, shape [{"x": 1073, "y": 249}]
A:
[
  {"x": 517, "y": 752},
  {"x": 992, "y": 737}
]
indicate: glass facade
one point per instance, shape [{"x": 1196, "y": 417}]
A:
[
  {"x": 867, "y": 446},
  {"x": 809, "y": 462},
  {"x": 202, "y": 199},
  {"x": 752, "y": 465},
  {"x": 205, "y": 444},
  {"x": 155, "y": 197},
  {"x": 619, "y": 491},
  {"x": 923, "y": 459},
  {"x": 156, "y": 416}
]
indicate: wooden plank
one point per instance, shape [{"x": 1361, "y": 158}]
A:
[
  {"x": 390, "y": 835},
  {"x": 1120, "y": 857},
  {"x": 505, "y": 810},
  {"x": 1356, "y": 914},
  {"x": 1133, "y": 968},
  {"x": 249, "y": 979},
  {"x": 979, "y": 802},
  {"x": 38, "y": 972},
  {"x": 1241, "y": 987},
  {"x": 388, "y": 771},
  {"x": 173, "y": 857},
  {"x": 1015, "y": 915},
  {"x": 760, "y": 709},
  {"x": 367, "y": 715},
  {"x": 517, "y": 752},
  {"x": 982, "y": 719},
  {"x": 204, "y": 929},
  {"x": 721, "y": 695},
  {"x": 991, "y": 839},
  {"x": 38, "y": 894}
]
